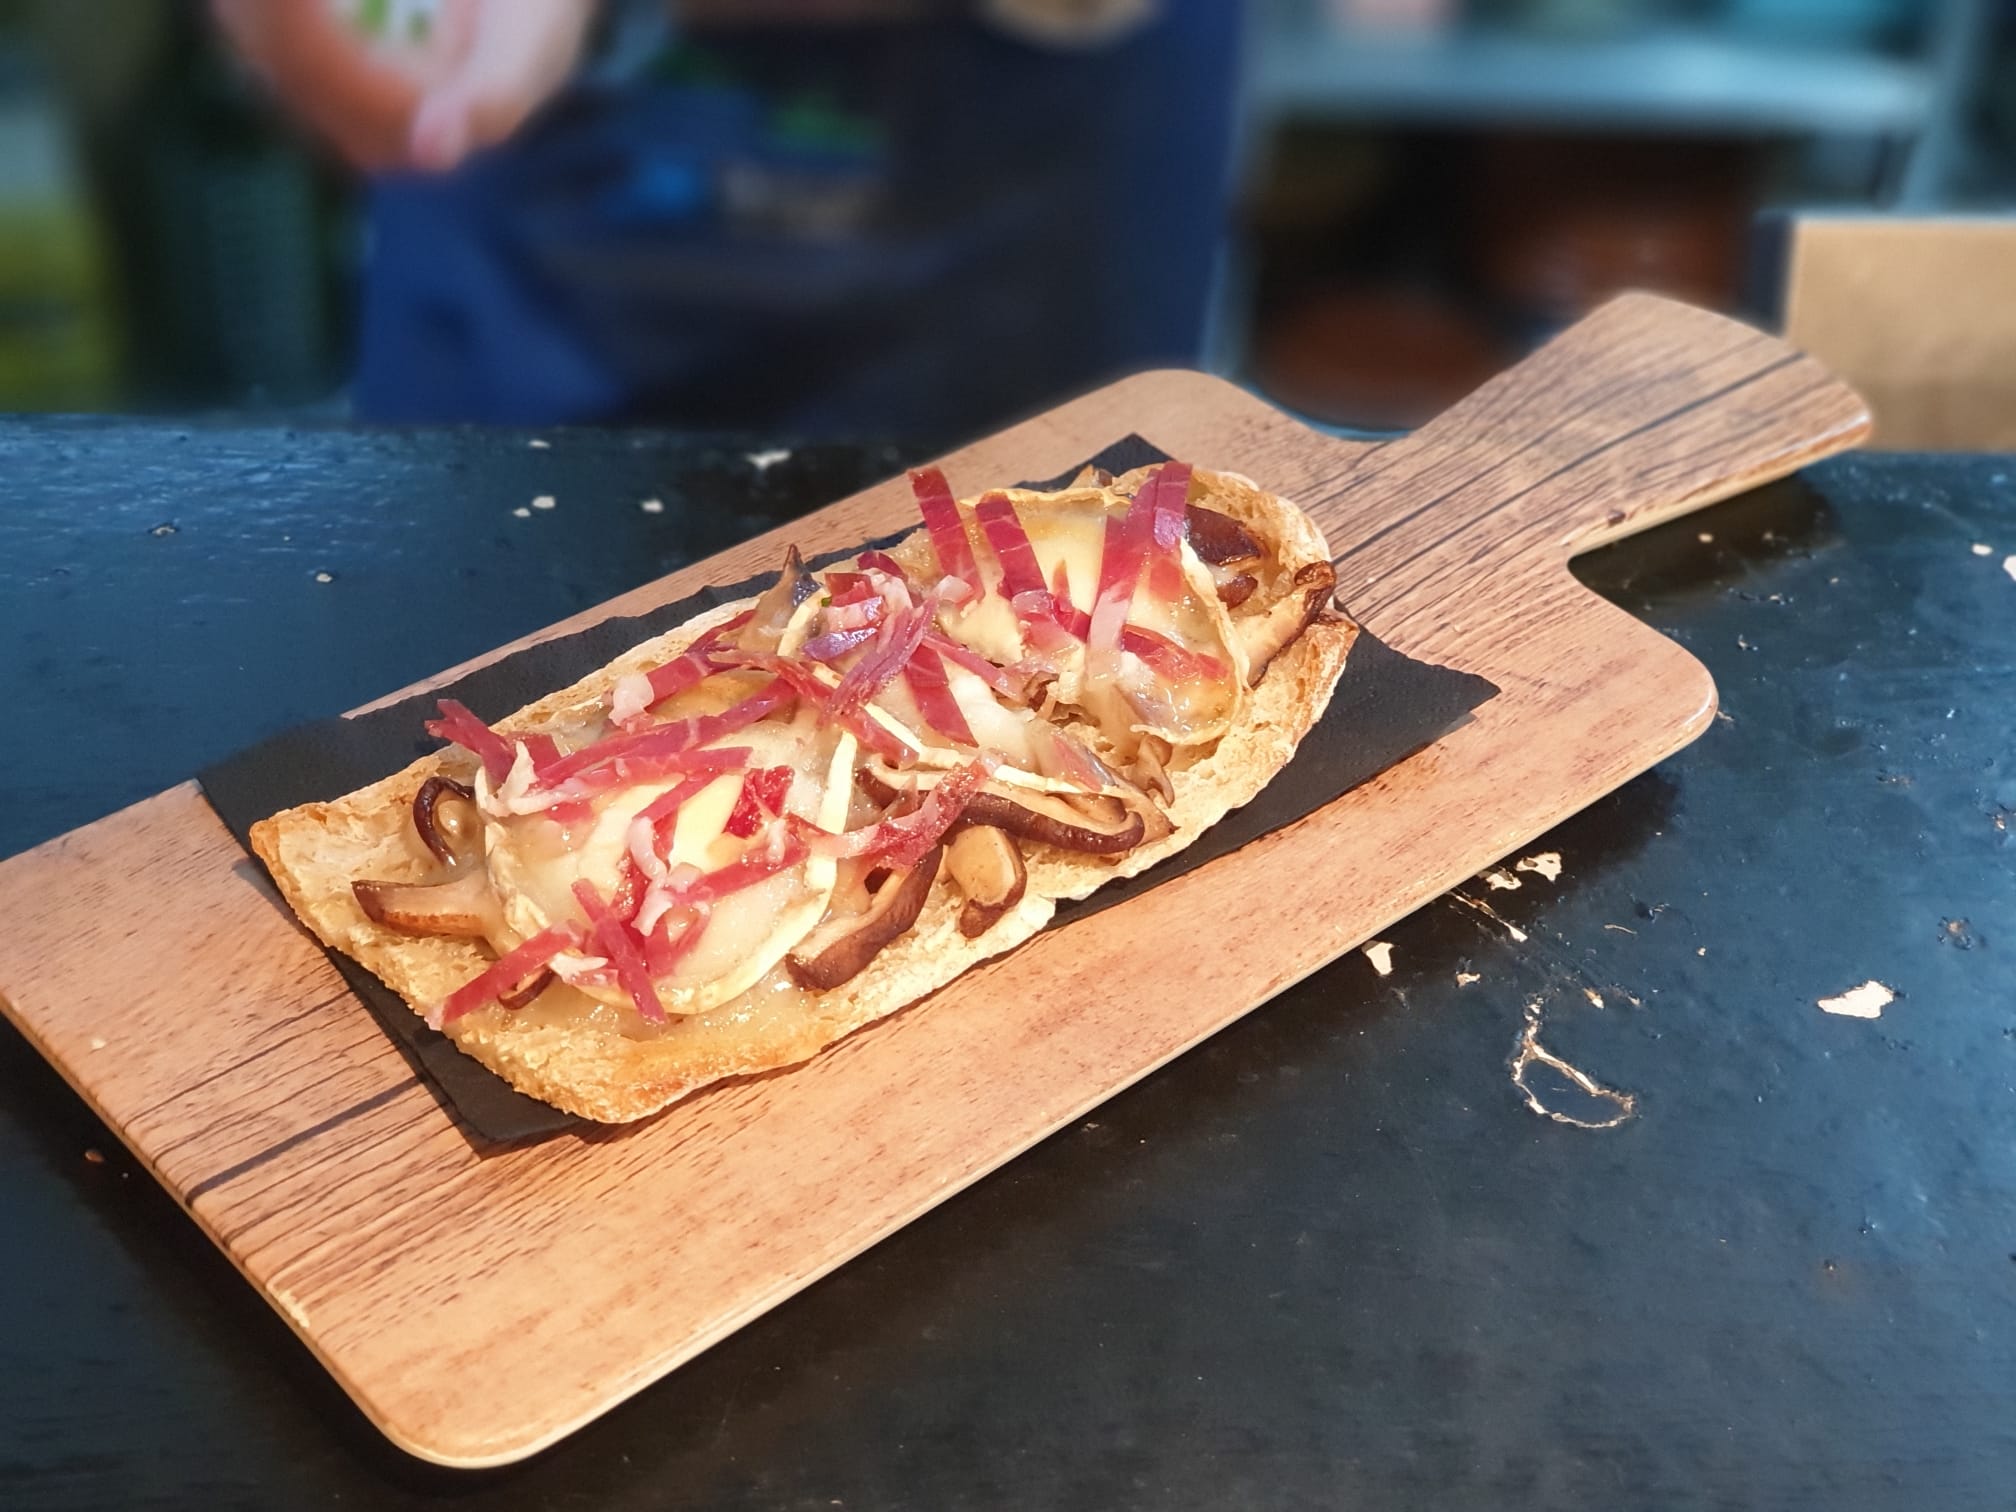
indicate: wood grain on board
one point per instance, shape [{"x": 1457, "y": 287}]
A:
[{"x": 480, "y": 1307}]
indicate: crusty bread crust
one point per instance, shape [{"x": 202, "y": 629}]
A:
[{"x": 593, "y": 1069}]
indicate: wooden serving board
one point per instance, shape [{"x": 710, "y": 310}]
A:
[{"x": 480, "y": 1307}]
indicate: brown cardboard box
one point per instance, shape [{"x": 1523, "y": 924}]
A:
[{"x": 1920, "y": 315}]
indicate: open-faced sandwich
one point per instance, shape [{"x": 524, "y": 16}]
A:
[{"x": 794, "y": 815}]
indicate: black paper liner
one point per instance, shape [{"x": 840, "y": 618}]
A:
[{"x": 1386, "y": 707}]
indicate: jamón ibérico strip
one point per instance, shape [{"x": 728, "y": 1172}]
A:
[
  {"x": 881, "y": 561},
  {"x": 614, "y": 939},
  {"x": 630, "y": 885},
  {"x": 1037, "y": 612},
  {"x": 863, "y": 726},
  {"x": 1072, "y": 618},
  {"x": 1003, "y": 529},
  {"x": 462, "y": 727},
  {"x": 762, "y": 794},
  {"x": 1119, "y": 571},
  {"x": 1151, "y": 530},
  {"x": 639, "y": 749},
  {"x": 999, "y": 678},
  {"x": 946, "y": 527},
  {"x": 510, "y": 970},
  {"x": 1167, "y": 519},
  {"x": 902, "y": 840},
  {"x": 834, "y": 644},
  {"x": 734, "y": 877},
  {"x": 673, "y": 940},
  {"x": 654, "y": 822},
  {"x": 928, "y": 685},
  {"x": 879, "y": 664},
  {"x": 1169, "y": 661},
  {"x": 636, "y": 694}
]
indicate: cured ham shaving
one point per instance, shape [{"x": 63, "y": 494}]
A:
[
  {"x": 1003, "y": 528},
  {"x": 509, "y": 971},
  {"x": 944, "y": 523},
  {"x": 762, "y": 793},
  {"x": 1166, "y": 659},
  {"x": 610, "y": 935},
  {"x": 926, "y": 676},
  {"x": 461, "y": 726},
  {"x": 640, "y": 755},
  {"x": 637, "y": 693},
  {"x": 902, "y": 840}
]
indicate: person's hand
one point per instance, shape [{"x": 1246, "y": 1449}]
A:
[{"x": 483, "y": 69}]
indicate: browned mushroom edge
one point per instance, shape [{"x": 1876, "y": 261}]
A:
[
  {"x": 1266, "y": 636},
  {"x": 464, "y": 905},
  {"x": 987, "y": 866},
  {"x": 446, "y": 819},
  {"x": 1091, "y": 824},
  {"x": 1218, "y": 538},
  {"x": 840, "y": 949}
]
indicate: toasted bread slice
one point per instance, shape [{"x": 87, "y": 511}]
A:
[{"x": 591, "y": 1063}]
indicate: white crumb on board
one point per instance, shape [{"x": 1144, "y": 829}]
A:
[
  {"x": 97, "y": 1042},
  {"x": 653, "y": 506},
  {"x": 1501, "y": 880},
  {"x": 2009, "y": 565},
  {"x": 544, "y": 501},
  {"x": 324, "y": 577},
  {"x": 1982, "y": 548},
  {"x": 1706, "y": 538},
  {"x": 1864, "y": 1002},
  {"x": 763, "y": 461},
  {"x": 1595, "y": 997},
  {"x": 1478, "y": 905},
  {"x": 1465, "y": 978},
  {"x": 1380, "y": 954},
  {"x": 539, "y": 445},
  {"x": 522, "y": 512},
  {"x": 1547, "y": 864}
]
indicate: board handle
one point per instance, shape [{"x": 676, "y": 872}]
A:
[{"x": 1644, "y": 410}]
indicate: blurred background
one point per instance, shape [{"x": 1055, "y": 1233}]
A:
[{"x": 923, "y": 218}]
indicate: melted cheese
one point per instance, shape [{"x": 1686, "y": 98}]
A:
[
  {"x": 1133, "y": 697},
  {"x": 534, "y": 862}
]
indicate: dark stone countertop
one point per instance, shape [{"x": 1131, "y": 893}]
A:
[{"x": 1332, "y": 1258}]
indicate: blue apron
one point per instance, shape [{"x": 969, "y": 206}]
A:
[{"x": 916, "y": 231}]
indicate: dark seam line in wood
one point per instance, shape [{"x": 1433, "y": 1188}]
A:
[
  {"x": 1615, "y": 441},
  {"x": 1530, "y": 444},
  {"x": 181, "y": 1092},
  {"x": 282, "y": 1096},
  {"x": 1563, "y": 470},
  {"x": 253, "y": 1162},
  {"x": 1346, "y": 483},
  {"x": 391, "y": 1153}
]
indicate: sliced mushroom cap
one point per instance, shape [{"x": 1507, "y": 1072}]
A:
[
  {"x": 774, "y": 608},
  {"x": 464, "y": 905},
  {"x": 840, "y": 949},
  {"x": 989, "y": 870},
  {"x": 1093, "y": 824},
  {"x": 1151, "y": 768},
  {"x": 1266, "y": 636},
  {"x": 1234, "y": 591},
  {"x": 448, "y": 822},
  {"x": 1218, "y": 538}
]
